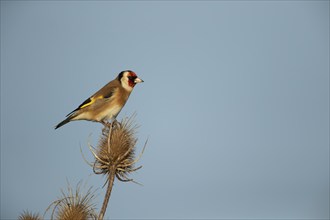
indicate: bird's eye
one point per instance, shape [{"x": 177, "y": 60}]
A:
[{"x": 131, "y": 78}]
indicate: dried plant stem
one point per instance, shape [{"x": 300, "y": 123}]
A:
[
  {"x": 111, "y": 178},
  {"x": 114, "y": 156}
]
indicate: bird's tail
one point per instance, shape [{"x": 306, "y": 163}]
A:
[{"x": 68, "y": 119}]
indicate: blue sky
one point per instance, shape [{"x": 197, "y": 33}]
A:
[{"x": 235, "y": 105}]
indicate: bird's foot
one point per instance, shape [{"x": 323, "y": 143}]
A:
[
  {"x": 106, "y": 125},
  {"x": 110, "y": 125},
  {"x": 114, "y": 123}
]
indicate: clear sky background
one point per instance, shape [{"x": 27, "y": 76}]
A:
[{"x": 235, "y": 104}]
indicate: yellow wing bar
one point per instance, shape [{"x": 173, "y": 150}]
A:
[{"x": 90, "y": 101}]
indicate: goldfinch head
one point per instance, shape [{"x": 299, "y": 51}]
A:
[{"x": 129, "y": 79}]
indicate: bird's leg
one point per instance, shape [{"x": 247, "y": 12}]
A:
[
  {"x": 106, "y": 125},
  {"x": 104, "y": 130}
]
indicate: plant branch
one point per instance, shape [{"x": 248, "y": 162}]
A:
[{"x": 111, "y": 179}]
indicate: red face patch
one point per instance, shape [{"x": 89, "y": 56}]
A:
[
  {"x": 131, "y": 73},
  {"x": 131, "y": 83},
  {"x": 131, "y": 77}
]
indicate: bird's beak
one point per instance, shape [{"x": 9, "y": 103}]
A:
[{"x": 138, "y": 80}]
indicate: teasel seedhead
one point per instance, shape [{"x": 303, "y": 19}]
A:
[
  {"x": 116, "y": 150},
  {"x": 26, "y": 215},
  {"x": 74, "y": 205}
]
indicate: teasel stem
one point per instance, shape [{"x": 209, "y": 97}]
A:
[{"x": 111, "y": 178}]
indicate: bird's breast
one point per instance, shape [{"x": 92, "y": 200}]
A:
[{"x": 110, "y": 113}]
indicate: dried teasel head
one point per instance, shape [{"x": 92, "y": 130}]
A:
[
  {"x": 26, "y": 215},
  {"x": 74, "y": 205},
  {"x": 115, "y": 151}
]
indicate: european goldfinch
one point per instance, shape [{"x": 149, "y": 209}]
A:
[{"x": 106, "y": 103}]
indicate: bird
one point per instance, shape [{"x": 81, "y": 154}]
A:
[{"x": 106, "y": 103}]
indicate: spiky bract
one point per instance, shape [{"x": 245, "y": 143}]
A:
[
  {"x": 26, "y": 215},
  {"x": 74, "y": 205},
  {"x": 115, "y": 151}
]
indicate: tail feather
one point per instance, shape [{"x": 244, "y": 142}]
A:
[{"x": 68, "y": 119}]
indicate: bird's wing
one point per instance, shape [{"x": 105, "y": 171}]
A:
[{"x": 104, "y": 93}]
